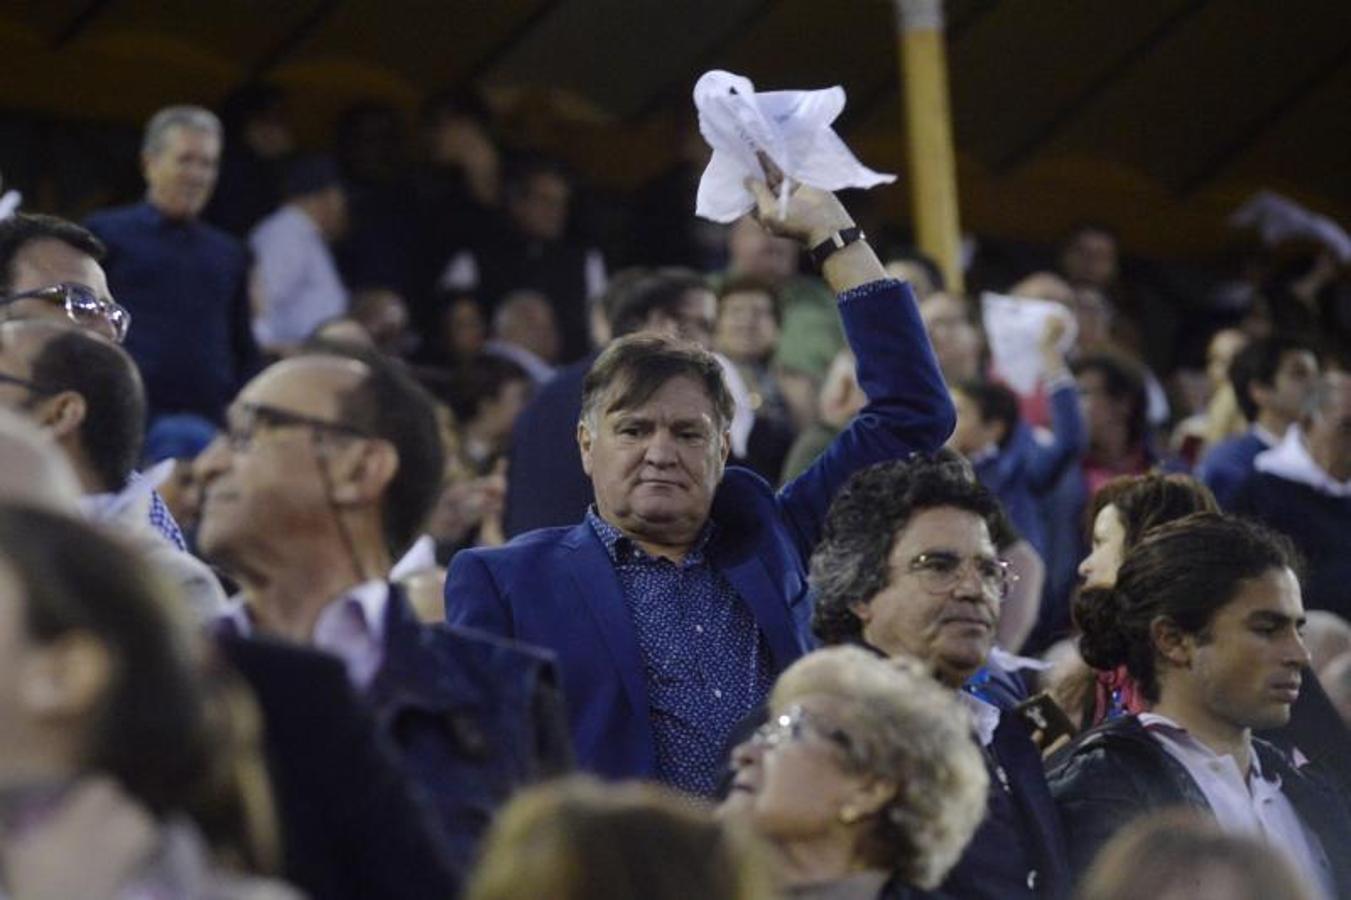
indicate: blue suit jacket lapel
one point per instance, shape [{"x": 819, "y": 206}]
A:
[
  {"x": 597, "y": 588},
  {"x": 764, "y": 601}
]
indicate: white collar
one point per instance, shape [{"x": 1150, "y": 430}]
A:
[
  {"x": 984, "y": 716},
  {"x": 372, "y": 598},
  {"x": 1291, "y": 460},
  {"x": 112, "y": 506},
  {"x": 1194, "y": 744}
]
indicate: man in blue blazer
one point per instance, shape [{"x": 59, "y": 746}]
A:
[{"x": 682, "y": 595}]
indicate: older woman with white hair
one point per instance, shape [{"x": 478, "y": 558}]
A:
[{"x": 866, "y": 781}]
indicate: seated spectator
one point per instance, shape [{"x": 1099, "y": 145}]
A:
[
  {"x": 525, "y": 332},
  {"x": 460, "y": 333},
  {"x": 486, "y": 396},
  {"x": 297, "y": 281},
  {"x": 327, "y": 472},
  {"x": 841, "y": 399},
  {"x": 907, "y": 567},
  {"x": 1123, "y": 511},
  {"x": 181, "y": 439},
  {"x": 1113, "y": 402},
  {"x": 1182, "y": 856},
  {"x": 746, "y": 336},
  {"x": 918, "y": 269},
  {"x": 956, "y": 341},
  {"x": 531, "y": 249},
  {"x": 382, "y": 313},
  {"x": 865, "y": 782},
  {"x": 1302, "y": 488},
  {"x": 1205, "y": 615},
  {"x": 579, "y": 839},
  {"x": 1220, "y": 418},
  {"x": 1272, "y": 379},
  {"x": 1018, "y": 466},
  {"x": 258, "y": 144},
  {"x": 86, "y": 392},
  {"x": 129, "y": 769}
]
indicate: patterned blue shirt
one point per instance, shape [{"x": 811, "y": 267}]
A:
[{"x": 705, "y": 664}]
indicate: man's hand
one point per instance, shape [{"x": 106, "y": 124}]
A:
[
  {"x": 88, "y": 848},
  {"x": 811, "y": 216},
  {"x": 1052, "y": 360}
]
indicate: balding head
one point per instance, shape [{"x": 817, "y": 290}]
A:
[{"x": 35, "y": 471}]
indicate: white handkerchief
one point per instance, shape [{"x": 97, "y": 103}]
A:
[
  {"x": 793, "y": 128},
  {"x": 1013, "y": 329}
]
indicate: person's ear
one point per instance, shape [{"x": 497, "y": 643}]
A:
[
  {"x": 1171, "y": 642},
  {"x": 862, "y": 611},
  {"x": 584, "y": 438},
  {"x": 867, "y": 799},
  {"x": 62, "y": 414},
  {"x": 365, "y": 473},
  {"x": 66, "y": 678},
  {"x": 724, "y": 447}
]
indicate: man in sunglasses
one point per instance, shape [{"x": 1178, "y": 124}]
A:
[
  {"x": 51, "y": 269},
  {"x": 329, "y": 465},
  {"x": 907, "y": 567}
]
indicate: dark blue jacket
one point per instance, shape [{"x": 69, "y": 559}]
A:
[
  {"x": 557, "y": 587},
  {"x": 1117, "y": 772},
  {"x": 1025, "y": 814},
  {"x": 351, "y": 825},
  {"x": 547, "y": 487},
  {"x": 1228, "y": 464},
  {"x": 1024, "y": 469},
  {"x": 186, "y": 287},
  {"x": 472, "y": 716}
]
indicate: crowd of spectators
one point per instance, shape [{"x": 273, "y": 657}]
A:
[{"x": 361, "y": 527}]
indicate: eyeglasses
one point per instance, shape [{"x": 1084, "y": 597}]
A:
[
  {"x": 247, "y": 418},
  {"x": 83, "y": 307},
  {"x": 796, "y": 724},
  {"x": 939, "y": 573},
  {"x": 33, "y": 386}
]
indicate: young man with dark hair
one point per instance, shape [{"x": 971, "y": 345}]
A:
[
  {"x": 49, "y": 269},
  {"x": 330, "y": 464},
  {"x": 1206, "y": 615},
  {"x": 1273, "y": 379}
]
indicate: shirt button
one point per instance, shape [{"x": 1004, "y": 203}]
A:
[
  {"x": 717, "y": 693},
  {"x": 698, "y": 629},
  {"x": 1032, "y": 880}
]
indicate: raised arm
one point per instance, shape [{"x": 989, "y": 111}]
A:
[{"x": 908, "y": 407}]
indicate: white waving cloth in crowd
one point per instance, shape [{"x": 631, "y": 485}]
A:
[{"x": 792, "y": 128}]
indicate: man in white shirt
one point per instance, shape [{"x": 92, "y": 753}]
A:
[
  {"x": 1206, "y": 615},
  {"x": 297, "y": 281}
]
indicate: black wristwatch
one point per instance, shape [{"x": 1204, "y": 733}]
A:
[{"x": 833, "y": 244}]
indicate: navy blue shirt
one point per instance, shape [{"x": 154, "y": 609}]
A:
[
  {"x": 186, "y": 286},
  {"x": 704, "y": 663}
]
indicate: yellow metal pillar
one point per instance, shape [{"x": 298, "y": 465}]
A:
[{"x": 928, "y": 129}]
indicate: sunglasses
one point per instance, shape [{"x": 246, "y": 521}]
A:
[{"x": 83, "y": 307}]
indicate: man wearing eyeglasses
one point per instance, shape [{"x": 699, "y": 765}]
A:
[
  {"x": 186, "y": 282},
  {"x": 50, "y": 270},
  {"x": 329, "y": 465},
  {"x": 908, "y": 568}
]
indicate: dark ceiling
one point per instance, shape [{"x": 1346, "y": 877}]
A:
[{"x": 1157, "y": 116}]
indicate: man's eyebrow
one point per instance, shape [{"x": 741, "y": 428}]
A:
[{"x": 1268, "y": 617}]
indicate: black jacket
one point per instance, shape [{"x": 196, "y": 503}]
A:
[
  {"x": 351, "y": 826},
  {"x": 1117, "y": 772}
]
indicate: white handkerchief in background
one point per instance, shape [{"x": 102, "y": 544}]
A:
[
  {"x": 793, "y": 128},
  {"x": 1013, "y": 329}
]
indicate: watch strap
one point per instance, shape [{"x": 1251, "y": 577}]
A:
[{"x": 835, "y": 243}]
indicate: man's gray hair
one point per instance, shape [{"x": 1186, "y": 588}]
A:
[{"x": 196, "y": 118}]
